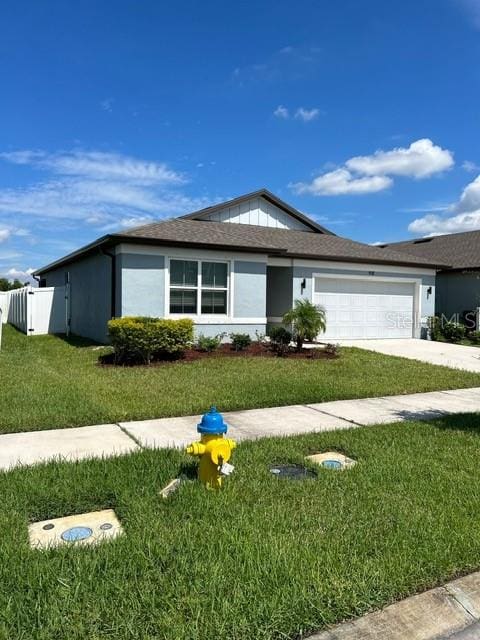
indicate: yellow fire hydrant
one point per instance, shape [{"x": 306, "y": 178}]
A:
[{"x": 213, "y": 449}]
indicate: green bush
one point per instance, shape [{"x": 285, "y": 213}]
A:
[
  {"x": 474, "y": 336},
  {"x": 453, "y": 331},
  {"x": 209, "y": 343},
  {"x": 259, "y": 337},
  {"x": 280, "y": 336},
  {"x": 240, "y": 341},
  {"x": 434, "y": 327},
  {"x": 280, "y": 339},
  {"x": 333, "y": 349},
  {"x": 140, "y": 340}
]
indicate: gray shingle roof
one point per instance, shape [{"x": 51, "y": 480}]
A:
[
  {"x": 284, "y": 241},
  {"x": 459, "y": 250},
  {"x": 191, "y": 230}
]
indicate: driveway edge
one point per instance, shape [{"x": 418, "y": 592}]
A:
[{"x": 437, "y": 614}]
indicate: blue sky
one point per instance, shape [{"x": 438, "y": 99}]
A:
[{"x": 364, "y": 115}]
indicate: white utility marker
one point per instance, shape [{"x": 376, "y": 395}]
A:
[
  {"x": 79, "y": 529},
  {"x": 332, "y": 460}
]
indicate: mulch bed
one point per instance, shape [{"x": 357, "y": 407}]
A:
[{"x": 256, "y": 350}]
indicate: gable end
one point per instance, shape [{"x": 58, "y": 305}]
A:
[{"x": 260, "y": 208}]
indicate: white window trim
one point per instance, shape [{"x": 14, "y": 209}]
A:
[{"x": 199, "y": 316}]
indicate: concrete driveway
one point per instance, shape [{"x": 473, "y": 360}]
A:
[{"x": 450, "y": 355}]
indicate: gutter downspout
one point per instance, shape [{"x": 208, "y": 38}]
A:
[{"x": 113, "y": 281}]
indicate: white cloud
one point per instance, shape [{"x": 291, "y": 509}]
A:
[
  {"x": 107, "y": 104},
  {"x": 97, "y": 165},
  {"x": 96, "y": 187},
  {"x": 306, "y": 115},
  {"x": 420, "y": 160},
  {"x": 470, "y": 198},
  {"x": 26, "y": 156},
  {"x": 370, "y": 174},
  {"x": 472, "y": 9},
  {"x": 434, "y": 225},
  {"x": 470, "y": 167},
  {"x": 286, "y": 64},
  {"x": 464, "y": 215},
  {"x": 18, "y": 274},
  {"x": 281, "y": 112},
  {"x": 425, "y": 209},
  {"x": 340, "y": 182},
  {"x": 7, "y": 232},
  {"x": 127, "y": 223},
  {"x": 8, "y": 257}
]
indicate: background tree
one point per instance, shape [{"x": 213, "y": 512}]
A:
[{"x": 8, "y": 285}]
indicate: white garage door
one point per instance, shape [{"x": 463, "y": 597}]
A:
[{"x": 365, "y": 308}]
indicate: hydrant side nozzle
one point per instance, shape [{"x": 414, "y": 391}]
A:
[{"x": 196, "y": 449}]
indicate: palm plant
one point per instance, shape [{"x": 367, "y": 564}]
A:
[{"x": 307, "y": 320}]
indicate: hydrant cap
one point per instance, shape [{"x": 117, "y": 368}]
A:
[{"x": 212, "y": 422}]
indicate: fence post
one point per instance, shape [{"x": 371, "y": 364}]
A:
[{"x": 30, "y": 318}]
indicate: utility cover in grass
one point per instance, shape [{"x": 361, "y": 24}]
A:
[
  {"x": 80, "y": 529},
  {"x": 332, "y": 460},
  {"x": 292, "y": 471}
]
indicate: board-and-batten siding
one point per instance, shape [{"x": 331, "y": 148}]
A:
[{"x": 258, "y": 212}]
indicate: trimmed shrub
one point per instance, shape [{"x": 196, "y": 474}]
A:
[
  {"x": 434, "y": 327},
  {"x": 260, "y": 337},
  {"x": 453, "y": 331},
  {"x": 138, "y": 340},
  {"x": 332, "y": 349},
  {"x": 240, "y": 341},
  {"x": 280, "y": 339},
  {"x": 474, "y": 336},
  {"x": 209, "y": 343},
  {"x": 280, "y": 335}
]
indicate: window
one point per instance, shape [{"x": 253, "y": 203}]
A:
[
  {"x": 214, "y": 287},
  {"x": 198, "y": 287}
]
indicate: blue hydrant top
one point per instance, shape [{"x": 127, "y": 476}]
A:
[{"x": 212, "y": 422}]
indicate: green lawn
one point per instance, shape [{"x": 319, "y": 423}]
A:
[
  {"x": 47, "y": 382},
  {"x": 264, "y": 558}
]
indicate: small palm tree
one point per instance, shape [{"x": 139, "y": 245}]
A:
[{"x": 307, "y": 320}]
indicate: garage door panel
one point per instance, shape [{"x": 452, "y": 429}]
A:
[
  {"x": 401, "y": 302},
  {"x": 358, "y": 316},
  {"x": 365, "y": 309},
  {"x": 373, "y": 317},
  {"x": 344, "y": 285}
]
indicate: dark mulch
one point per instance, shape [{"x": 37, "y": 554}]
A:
[{"x": 256, "y": 350}]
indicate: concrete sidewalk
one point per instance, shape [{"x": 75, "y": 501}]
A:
[
  {"x": 451, "y": 611},
  {"x": 125, "y": 437}
]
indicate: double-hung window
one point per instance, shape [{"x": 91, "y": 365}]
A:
[{"x": 198, "y": 287}]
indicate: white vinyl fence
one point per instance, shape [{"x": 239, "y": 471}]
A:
[
  {"x": 4, "y": 301},
  {"x": 37, "y": 311}
]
